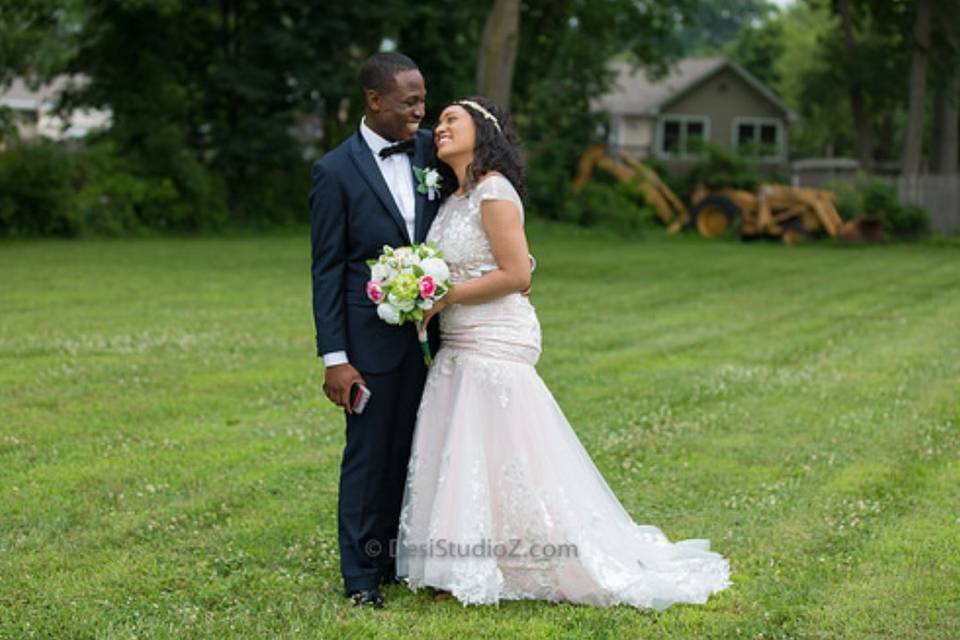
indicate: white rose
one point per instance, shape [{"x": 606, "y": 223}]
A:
[
  {"x": 402, "y": 255},
  {"x": 426, "y": 305},
  {"x": 388, "y": 313},
  {"x": 432, "y": 178},
  {"x": 436, "y": 268},
  {"x": 379, "y": 272}
]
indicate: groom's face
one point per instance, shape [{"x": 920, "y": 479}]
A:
[{"x": 397, "y": 112}]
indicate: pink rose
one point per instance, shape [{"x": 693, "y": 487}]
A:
[
  {"x": 374, "y": 292},
  {"x": 428, "y": 287}
]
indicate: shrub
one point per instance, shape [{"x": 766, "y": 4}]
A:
[
  {"x": 275, "y": 197},
  {"x": 849, "y": 198},
  {"x": 718, "y": 168},
  {"x": 36, "y": 191},
  {"x": 880, "y": 199},
  {"x": 47, "y": 190},
  {"x": 721, "y": 168},
  {"x": 618, "y": 207},
  {"x": 908, "y": 220}
]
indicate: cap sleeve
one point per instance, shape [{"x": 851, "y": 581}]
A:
[{"x": 496, "y": 187}]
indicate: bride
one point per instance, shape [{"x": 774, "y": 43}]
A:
[{"x": 501, "y": 499}]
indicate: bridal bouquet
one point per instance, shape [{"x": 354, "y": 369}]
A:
[{"x": 405, "y": 282}]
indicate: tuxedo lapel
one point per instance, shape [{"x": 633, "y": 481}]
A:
[
  {"x": 362, "y": 156},
  {"x": 419, "y": 160}
]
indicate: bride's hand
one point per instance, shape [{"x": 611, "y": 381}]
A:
[{"x": 437, "y": 307}]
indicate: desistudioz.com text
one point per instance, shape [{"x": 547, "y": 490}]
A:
[{"x": 486, "y": 548}]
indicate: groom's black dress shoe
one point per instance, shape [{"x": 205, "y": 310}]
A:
[{"x": 367, "y": 598}]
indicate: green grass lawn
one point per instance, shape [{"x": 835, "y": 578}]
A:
[{"x": 168, "y": 463}]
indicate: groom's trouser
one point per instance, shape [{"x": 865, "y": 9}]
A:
[{"x": 374, "y": 470}]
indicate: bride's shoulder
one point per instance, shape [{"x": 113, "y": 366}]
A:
[
  {"x": 495, "y": 186},
  {"x": 494, "y": 182},
  {"x": 491, "y": 174}
]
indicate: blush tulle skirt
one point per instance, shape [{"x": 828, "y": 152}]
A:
[{"x": 502, "y": 502}]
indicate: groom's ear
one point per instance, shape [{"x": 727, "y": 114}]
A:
[{"x": 373, "y": 99}]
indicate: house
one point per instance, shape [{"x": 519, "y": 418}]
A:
[
  {"x": 711, "y": 98},
  {"x": 33, "y": 111}
]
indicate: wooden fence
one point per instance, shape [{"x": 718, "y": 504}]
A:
[{"x": 940, "y": 195}]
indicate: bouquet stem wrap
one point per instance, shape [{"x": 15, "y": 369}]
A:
[{"x": 424, "y": 345}]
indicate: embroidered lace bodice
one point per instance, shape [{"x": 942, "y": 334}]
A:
[{"x": 458, "y": 228}]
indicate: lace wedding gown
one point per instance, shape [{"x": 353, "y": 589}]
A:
[{"x": 502, "y": 501}]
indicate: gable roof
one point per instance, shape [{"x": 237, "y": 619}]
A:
[
  {"x": 20, "y": 95},
  {"x": 635, "y": 92}
]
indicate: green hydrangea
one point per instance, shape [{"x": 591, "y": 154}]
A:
[{"x": 405, "y": 286}]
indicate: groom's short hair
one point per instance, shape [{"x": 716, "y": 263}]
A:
[{"x": 380, "y": 68}]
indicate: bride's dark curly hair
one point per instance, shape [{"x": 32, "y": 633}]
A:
[{"x": 494, "y": 150}]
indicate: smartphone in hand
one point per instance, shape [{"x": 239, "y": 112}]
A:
[{"x": 359, "y": 396}]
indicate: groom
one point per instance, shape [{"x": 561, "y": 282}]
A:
[{"x": 364, "y": 196}]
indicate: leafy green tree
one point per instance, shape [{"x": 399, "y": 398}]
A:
[
  {"x": 565, "y": 48},
  {"x": 209, "y": 99},
  {"x": 710, "y": 26},
  {"x": 213, "y": 93},
  {"x": 758, "y": 46},
  {"x": 36, "y": 38}
]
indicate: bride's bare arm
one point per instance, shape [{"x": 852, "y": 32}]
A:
[{"x": 504, "y": 228}]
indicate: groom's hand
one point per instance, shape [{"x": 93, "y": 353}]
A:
[
  {"x": 337, "y": 382},
  {"x": 533, "y": 267}
]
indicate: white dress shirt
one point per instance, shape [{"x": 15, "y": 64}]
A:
[{"x": 398, "y": 174}]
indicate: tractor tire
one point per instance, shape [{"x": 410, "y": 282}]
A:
[
  {"x": 795, "y": 232},
  {"x": 714, "y": 216}
]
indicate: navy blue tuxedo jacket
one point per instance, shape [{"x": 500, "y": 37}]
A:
[{"x": 353, "y": 214}]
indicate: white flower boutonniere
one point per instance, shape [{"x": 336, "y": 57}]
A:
[{"x": 428, "y": 182}]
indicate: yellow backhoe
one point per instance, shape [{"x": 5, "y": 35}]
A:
[
  {"x": 793, "y": 214},
  {"x": 670, "y": 209}
]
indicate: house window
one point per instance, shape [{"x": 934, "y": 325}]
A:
[
  {"x": 759, "y": 136},
  {"x": 682, "y": 135},
  {"x": 616, "y": 131}
]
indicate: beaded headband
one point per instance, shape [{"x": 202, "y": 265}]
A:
[{"x": 479, "y": 109}]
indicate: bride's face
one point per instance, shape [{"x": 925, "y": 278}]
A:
[{"x": 455, "y": 134}]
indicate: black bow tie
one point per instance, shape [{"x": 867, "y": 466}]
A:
[{"x": 401, "y": 147}]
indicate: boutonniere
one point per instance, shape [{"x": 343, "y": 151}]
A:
[{"x": 428, "y": 182}]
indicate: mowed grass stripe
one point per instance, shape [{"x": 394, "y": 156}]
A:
[{"x": 755, "y": 395}]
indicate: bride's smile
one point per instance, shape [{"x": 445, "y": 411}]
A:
[{"x": 455, "y": 134}]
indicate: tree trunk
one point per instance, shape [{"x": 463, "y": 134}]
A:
[
  {"x": 857, "y": 107},
  {"x": 946, "y": 118},
  {"x": 498, "y": 51},
  {"x": 913, "y": 143}
]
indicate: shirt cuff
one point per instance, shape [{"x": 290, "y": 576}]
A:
[{"x": 334, "y": 358}]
